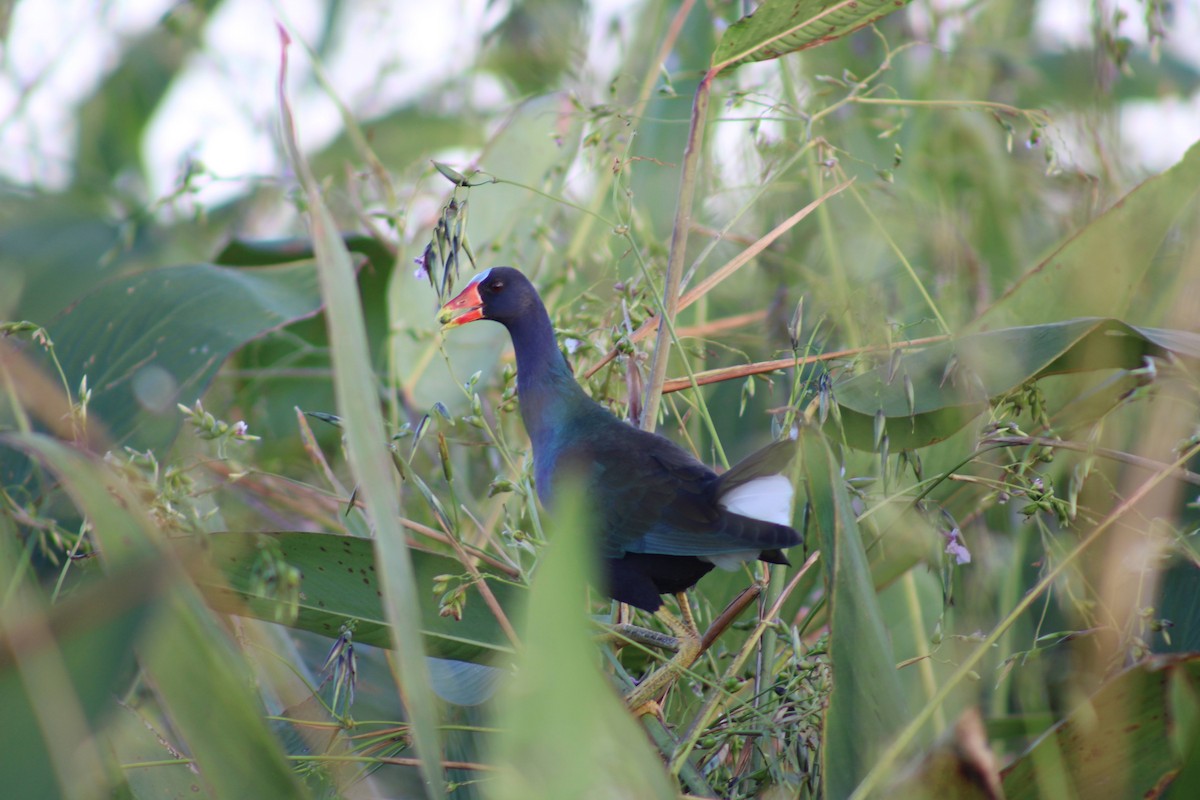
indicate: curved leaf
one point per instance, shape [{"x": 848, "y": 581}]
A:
[
  {"x": 157, "y": 338},
  {"x": 355, "y": 389},
  {"x": 778, "y": 27},
  {"x": 339, "y": 585},
  {"x": 953, "y": 381}
]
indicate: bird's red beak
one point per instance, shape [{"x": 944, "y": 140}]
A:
[{"x": 466, "y": 307}]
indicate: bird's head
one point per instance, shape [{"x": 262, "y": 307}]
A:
[{"x": 501, "y": 293}]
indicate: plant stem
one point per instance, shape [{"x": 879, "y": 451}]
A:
[
  {"x": 759, "y": 367},
  {"x": 683, "y": 223}
]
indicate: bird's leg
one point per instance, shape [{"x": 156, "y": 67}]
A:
[
  {"x": 685, "y": 611},
  {"x": 642, "y": 699}
]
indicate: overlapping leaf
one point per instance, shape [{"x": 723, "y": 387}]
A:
[{"x": 931, "y": 393}]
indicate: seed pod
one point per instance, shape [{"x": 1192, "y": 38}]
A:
[{"x": 444, "y": 454}]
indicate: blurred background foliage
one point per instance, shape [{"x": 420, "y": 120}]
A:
[{"x": 1028, "y": 567}]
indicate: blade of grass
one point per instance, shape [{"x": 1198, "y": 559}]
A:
[
  {"x": 867, "y": 705},
  {"x": 42, "y": 673},
  {"x": 356, "y": 392}
]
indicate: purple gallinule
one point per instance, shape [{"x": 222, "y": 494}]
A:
[{"x": 661, "y": 518}]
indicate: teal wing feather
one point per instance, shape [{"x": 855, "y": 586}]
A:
[{"x": 651, "y": 496}]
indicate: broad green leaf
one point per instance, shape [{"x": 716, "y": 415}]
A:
[
  {"x": 778, "y": 27},
  {"x": 463, "y": 683},
  {"x": 195, "y": 671},
  {"x": 1121, "y": 742},
  {"x": 357, "y": 398},
  {"x": 866, "y": 706},
  {"x": 155, "y": 339},
  {"x": 339, "y": 586},
  {"x": 1184, "y": 709},
  {"x": 1179, "y": 601},
  {"x": 248, "y": 253},
  {"x": 952, "y": 382},
  {"x": 1100, "y": 270},
  {"x": 566, "y": 732}
]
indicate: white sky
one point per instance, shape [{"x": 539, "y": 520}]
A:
[{"x": 221, "y": 110}]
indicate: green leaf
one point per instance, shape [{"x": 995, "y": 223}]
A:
[
  {"x": 155, "y": 339},
  {"x": 451, "y": 174},
  {"x": 566, "y": 732},
  {"x": 339, "y": 586},
  {"x": 778, "y": 27},
  {"x": 866, "y": 706},
  {"x": 1100, "y": 270},
  {"x": 954, "y": 381},
  {"x": 1121, "y": 742},
  {"x": 258, "y": 253}
]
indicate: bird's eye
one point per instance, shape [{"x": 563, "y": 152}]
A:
[{"x": 496, "y": 287}]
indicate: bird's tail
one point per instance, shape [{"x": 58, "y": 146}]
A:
[{"x": 755, "y": 488}]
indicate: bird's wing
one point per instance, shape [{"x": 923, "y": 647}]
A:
[{"x": 651, "y": 496}]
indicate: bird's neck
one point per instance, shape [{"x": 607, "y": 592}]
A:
[{"x": 550, "y": 396}]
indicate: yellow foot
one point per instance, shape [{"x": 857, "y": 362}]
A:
[
  {"x": 650, "y": 707},
  {"x": 656, "y": 683}
]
